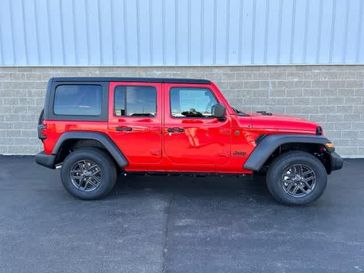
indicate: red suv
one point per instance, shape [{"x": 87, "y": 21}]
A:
[{"x": 94, "y": 128}]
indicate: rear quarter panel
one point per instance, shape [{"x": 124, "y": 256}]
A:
[{"x": 55, "y": 128}]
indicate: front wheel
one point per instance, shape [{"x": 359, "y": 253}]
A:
[
  {"x": 296, "y": 178},
  {"x": 88, "y": 173}
]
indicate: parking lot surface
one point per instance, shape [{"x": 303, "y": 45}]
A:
[{"x": 177, "y": 224}]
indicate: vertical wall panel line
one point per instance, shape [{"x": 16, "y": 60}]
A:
[
  {"x": 318, "y": 51},
  {"x": 278, "y": 60},
  {"x": 332, "y": 35},
  {"x": 189, "y": 31},
  {"x": 11, "y": 24},
  {"x": 25, "y": 32},
  {"x": 74, "y": 32},
  {"x": 99, "y": 32},
  {"x": 149, "y": 25},
  {"x": 164, "y": 39},
  {"x": 112, "y": 7},
  {"x": 252, "y": 50},
  {"x": 266, "y": 31},
  {"x": 50, "y": 42},
  {"x": 1, "y": 48},
  {"x": 202, "y": 36},
  {"x": 176, "y": 31},
  {"x": 87, "y": 33},
  {"x": 126, "y": 58},
  {"x": 36, "y": 34},
  {"x": 307, "y": 15},
  {"x": 344, "y": 49},
  {"x": 62, "y": 34},
  {"x": 227, "y": 29},
  {"x": 293, "y": 25},
  {"x": 360, "y": 30},
  {"x": 241, "y": 21},
  {"x": 214, "y": 34},
  {"x": 151, "y": 44},
  {"x": 252, "y": 57},
  {"x": 137, "y": 4}
]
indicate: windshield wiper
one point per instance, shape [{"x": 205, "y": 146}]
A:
[{"x": 240, "y": 113}]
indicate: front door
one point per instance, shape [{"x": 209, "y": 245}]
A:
[
  {"x": 193, "y": 139},
  {"x": 135, "y": 119}
]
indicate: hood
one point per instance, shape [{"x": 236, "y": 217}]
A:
[{"x": 268, "y": 121}]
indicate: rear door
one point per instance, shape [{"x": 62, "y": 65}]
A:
[{"x": 135, "y": 118}]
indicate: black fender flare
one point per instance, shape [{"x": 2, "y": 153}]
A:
[
  {"x": 109, "y": 145},
  {"x": 268, "y": 144}
]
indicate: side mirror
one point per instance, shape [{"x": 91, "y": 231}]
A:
[{"x": 218, "y": 111}]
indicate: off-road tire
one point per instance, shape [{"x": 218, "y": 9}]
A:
[
  {"x": 104, "y": 164},
  {"x": 277, "y": 171}
]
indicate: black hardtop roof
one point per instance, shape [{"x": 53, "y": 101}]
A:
[{"x": 128, "y": 79}]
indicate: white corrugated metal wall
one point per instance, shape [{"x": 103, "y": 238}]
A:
[{"x": 180, "y": 32}]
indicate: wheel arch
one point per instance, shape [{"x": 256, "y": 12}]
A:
[
  {"x": 269, "y": 146},
  {"x": 73, "y": 140}
]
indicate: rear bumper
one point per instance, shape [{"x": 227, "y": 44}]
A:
[
  {"x": 336, "y": 161},
  {"x": 45, "y": 160}
]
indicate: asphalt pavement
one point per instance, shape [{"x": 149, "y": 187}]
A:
[{"x": 177, "y": 224}]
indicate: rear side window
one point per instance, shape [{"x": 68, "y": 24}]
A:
[
  {"x": 78, "y": 100},
  {"x": 135, "y": 101}
]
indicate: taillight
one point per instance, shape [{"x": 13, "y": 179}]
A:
[
  {"x": 41, "y": 133},
  {"x": 41, "y": 126}
]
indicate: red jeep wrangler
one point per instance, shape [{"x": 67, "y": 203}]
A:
[{"x": 95, "y": 127}]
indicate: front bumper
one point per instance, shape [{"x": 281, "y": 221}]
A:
[
  {"x": 336, "y": 161},
  {"x": 45, "y": 160}
]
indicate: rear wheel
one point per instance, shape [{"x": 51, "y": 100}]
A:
[
  {"x": 88, "y": 173},
  {"x": 296, "y": 178}
]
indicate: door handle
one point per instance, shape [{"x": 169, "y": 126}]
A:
[
  {"x": 175, "y": 130},
  {"x": 123, "y": 129}
]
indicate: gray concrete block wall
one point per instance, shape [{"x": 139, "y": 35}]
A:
[{"x": 330, "y": 95}]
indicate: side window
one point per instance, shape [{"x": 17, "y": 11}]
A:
[
  {"x": 191, "y": 102},
  {"x": 135, "y": 101},
  {"x": 78, "y": 100}
]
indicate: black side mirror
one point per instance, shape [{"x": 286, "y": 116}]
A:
[{"x": 218, "y": 111}]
